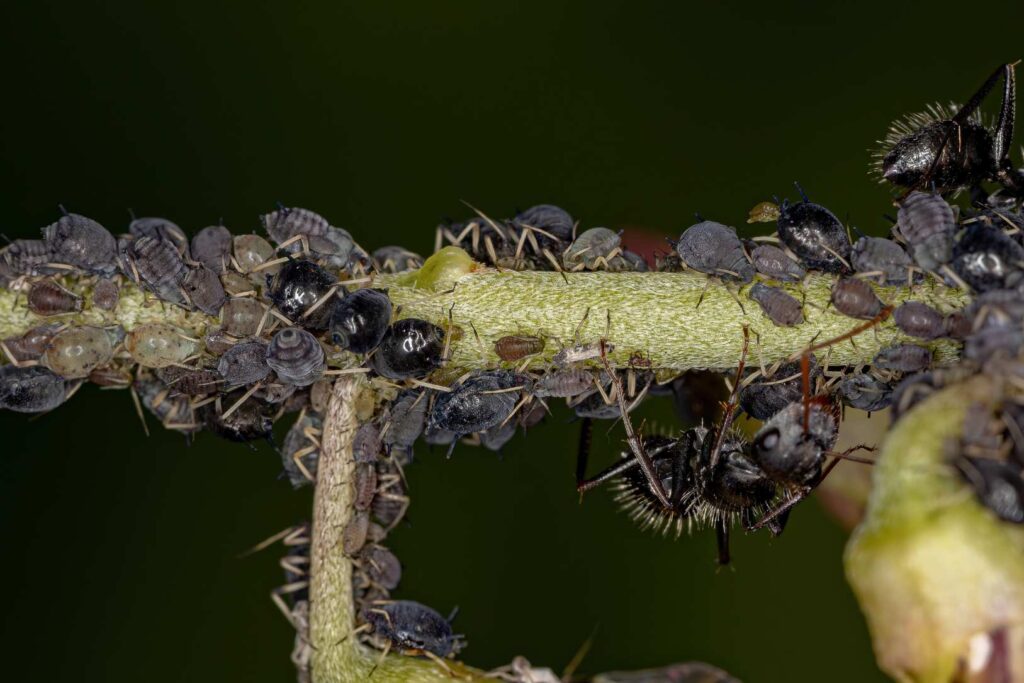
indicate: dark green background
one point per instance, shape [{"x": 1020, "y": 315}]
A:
[{"x": 120, "y": 551}]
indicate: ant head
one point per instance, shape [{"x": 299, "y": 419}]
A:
[{"x": 792, "y": 453}]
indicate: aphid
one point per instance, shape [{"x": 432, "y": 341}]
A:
[
  {"x": 405, "y": 419},
  {"x": 216, "y": 341},
  {"x": 547, "y": 218},
  {"x": 629, "y": 262},
  {"x": 781, "y": 308},
  {"x": 204, "y": 289},
  {"x": 395, "y": 259},
  {"x": 157, "y": 262},
  {"x": 592, "y": 249},
  {"x": 562, "y": 383},
  {"x": 957, "y": 325},
  {"x": 482, "y": 401},
  {"x": 244, "y": 364},
  {"x": 713, "y": 248},
  {"x": 903, "y": 358},
  {"x": 764, "y": 398},
  {"x": 157, "y": 345},
  {"x": 927, "y": 223},
  {"x": 412, "y": 628},
  {"x": 815, "y": 235},
  {"x": 366, "y": 443},
  {"x": 236, "y": 284},
  {"x": 884, "y": 260},
  {"x": 173, "y": 412},
  {"x": 774, "y": 264},
  {"x": 320, "y": 395},
  {"x": 495, "y": 438},
  {"x": 241, "y": 317},
  {"x": 392, "y": 501},
  {"x": 287, "y": 222},
  {"x": 335, "y": 249},
  {"x": 252, "y": 420},
  {"x": 211, "y": 246},
  {"x": 111, "y": 376},
  {"x": 46, "y": 297},
  {"x": 189, "y": 382},
  {"x": 105, "y": 294},
  {"x": 360, "y": 320},
  {"x": 279, "y": 392},
  {"x": 865, "y": 392},
  {"x": 920, "y": 320},
  {"x": 73, "y": 353},
  {"x": 579, "y": 353},
  {"x": 31, "y": 345},
  {"x": 297, "y": 288},
  {"x": 381, "y": 566},
  {"x": 986, "y": 259},
  {"x": 27, "y": 257},
  {"x": 300, "y": 453},
  {"x": 83, "y": 243},
  {"x": 954, "y": 151},
  {"x": 516, "y": 347},
  {"x": 160, "y": 228},
  {"x": 32, "y": 389},
  {"x": 855, "y": 298},
  {"x": 764, "y": 212},
  {"x": 251, "y": 252},
  {"x": 409, "y": 348},
  {"x": 364, "y": 483},
  {"x": 999, "y": 485},
  {"x": 296, "y": 356},
  {"x": 353, "y": 536}
]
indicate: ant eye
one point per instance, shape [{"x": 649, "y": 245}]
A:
[{"x": 769, "y": 440}]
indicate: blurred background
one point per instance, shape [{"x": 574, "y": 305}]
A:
[{"x": 121, "y": 552}]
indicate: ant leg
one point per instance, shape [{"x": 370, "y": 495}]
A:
[
  {"x": 583, "y": 451},
  {"x": 778, "y": 525},
  {"x": 730, "y": 408},
  {"x": 722, "y": 537}
]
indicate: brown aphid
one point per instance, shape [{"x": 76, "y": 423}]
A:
[
  {"x": 105, "y": 294},
  {"x": 235, "y": 284},
  {"x": 958, "y": 326},
  {"x": 46, "y": 297},
  {"x": 189, "y": 382},
  {"x": 251, "y": 251},
  {"x": 366, "y": 443},
  {"x": 217, "y": 341},
  {"x": 855, "y": 298},
  {"x": 382, "y": 566},
  {"x": 365, "y": 485},
  {"x": 75, "y": 352},
  {"x": 241, "y": 317},
  {"x": 320, "y": 395},
  {"x": 516, "y": 346},
  {"x": 157, "y": 345},
  {"x": 31, "y": 345},
  {"x": 781, "y": 308},
  {"x": 204, "y": 289},
  {"x": 353, "y": 536},
  {"x": 920, "y": 320}
]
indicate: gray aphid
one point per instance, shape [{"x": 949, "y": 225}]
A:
[
  {"x": 590, "y": 246},
  {"x": 406, "y": 418},
  {"x": 865, "y": 392},
  {"x": 157, "y": 262},
  {"x": 855, "y": 298},
  {"x": 919, "y": 320},
  {"x": 562, "y": 383},
  {"x": 781, "y": 308},
  {"x": 244, "y": 364},
  {"x": 296, "y": 356},
  {"x": 33, "y": 389},
  {"x": 160, "y": 227},
  {"x": 83, "y": 243},
  {"x": 882, "y": 256},
  {"x": 713, "y": 248},
  {"x": 775, "y": 264},
  {"x": 27, "y": 257},
  {"x": 211, "y": 246},
  {"x": 903, "y": 358},
  {"x": 928, "y": 224},
  {"x": 287, "y": 222},
  {"x": 204, "y": 289},
  {"x": 395, "y": 259}
]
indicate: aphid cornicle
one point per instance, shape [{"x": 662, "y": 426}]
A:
[
  {"x": 482, "y": 401},
  {"x": 920, "y": 320},
  {"x": 105, "y": 294},
  {"x": 881, "y": 260},
  {"x": 288, "y": 222},
  {"x": 412, "y": 628},
  {"x": 83, "y": 243},
  {"x": 73, "y": 353},
  {"x": 713, "y": 248},
  {"x": 296, "y": 356},
  {"x": 952, "y": 151},
  {"x": 927, "y": 223},
  {"x": 157, "y": 345},
  {"x": 204, "y": 289},
  {"x": 241, "y": 317},
  {"x": 815, "y": 235},
  {"x": 409, "y": 348},
  {"x": 211, "y": 246},
  {"x": 48, "y": 298},
  {"x": 244, "y": 364},
  {"x": 33, "y": 389},
  {"x": 516, "y": 347},
  {"x": 780, "y": 307},
  {"x": 855, "y": 298},
  {"x": 360, "y": 320},
  {"x": 774, "y": 264},
  {"x": 299, "y": 287},
  {"x": 986, "y": 258}
]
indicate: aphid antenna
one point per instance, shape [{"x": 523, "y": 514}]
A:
[
  {"x": 63, "y": 211},
  {"x": 698, "y": 216},
  {"x": 803, "y": 195},
  {"x": 497, "y": 228}
]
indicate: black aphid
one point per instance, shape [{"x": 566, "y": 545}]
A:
[
  {"x": 360, "y": 320},
  {"x": 950, "y": 151},
  {"x": 547, "y": 218},
  {"x": 881, "y": 260},
  {"x": 713, "y": 248},
  {"x": 32, "y": 389},
  {"x": 83, "y": 243},
  {"x": 815, "y": 235},
  {"x": 482, "y": 401},
  {"x": 927, "y": 223},
  {"x": 244, "y": 364},
  {"x": 412, "y": 628},
  {"x": 774, "y": 264},
  {"x": 986, "y": 258},
  {"x": 299, "y": 287},
  {"x": 776, "y": 303},
  {"x": 211, "y": 246},
  {"x": 409, "y": 348}
]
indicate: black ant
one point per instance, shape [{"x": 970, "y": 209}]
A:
[{"x": 950, "y": 151}]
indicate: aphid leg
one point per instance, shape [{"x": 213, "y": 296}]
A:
[
  {"x": 443, "y": 664},
  {"x": 722, "y": 540},
  {"x": 380, "y": 660},
  {"x": 635, "y": 444},
  {"x": 700, "y": 300}
]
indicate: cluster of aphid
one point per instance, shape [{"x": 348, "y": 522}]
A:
[{"x": 301, "y": 306}]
